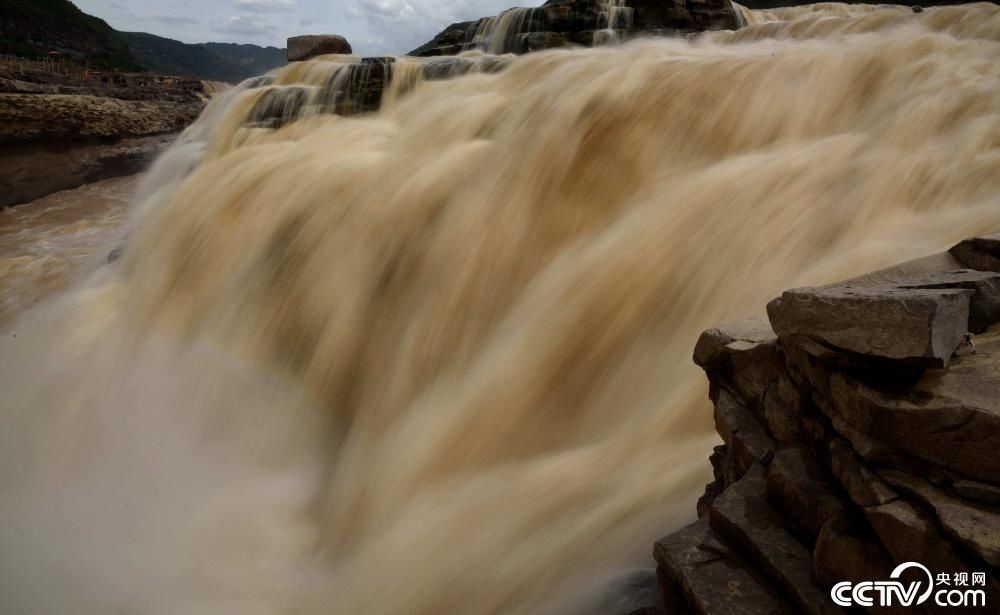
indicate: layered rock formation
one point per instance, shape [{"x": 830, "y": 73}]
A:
[
  {"x": 861, "y": 429},
  {"x": 56, "y": 133},
  {"x": 583, "y": 22}
]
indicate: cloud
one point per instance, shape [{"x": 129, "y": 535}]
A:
[
  {"x": 172, "y": 20},
  {"x": 267, "y": 6},
  {"x": 245, "y": 25}
]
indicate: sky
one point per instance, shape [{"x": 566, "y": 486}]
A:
[{"x": 371, "y": 26}]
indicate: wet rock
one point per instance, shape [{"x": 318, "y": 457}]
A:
[
  {"x": 914, "y": 325},
  {"x": 949, "y": 418},
  {"x": 977, "y": 526},
  {"x": 309, "y": 46},
  {"x": 446, "y": 68},
  {"x": 742, "y": 516},
  {"x": 746, "y": 440},
  {"x": 536, "y": 41},
  {"x": 702, "y": 573},
  {"x": 982, "y": 253},
  {"x": 585, "y": 22},
  {"x": 797, "y": 483}
]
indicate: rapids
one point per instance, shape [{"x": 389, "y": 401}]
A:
[{"x": 436, "y": 359}]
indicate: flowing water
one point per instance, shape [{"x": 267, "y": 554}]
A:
[{"x": 437, "y": 359}]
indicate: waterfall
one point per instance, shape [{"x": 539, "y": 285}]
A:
[{"x": 436, "y": 357}]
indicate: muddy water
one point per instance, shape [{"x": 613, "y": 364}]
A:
[{"x": 43, "y": 244}]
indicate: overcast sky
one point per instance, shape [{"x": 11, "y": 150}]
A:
[{"x": 372, "y": 26}]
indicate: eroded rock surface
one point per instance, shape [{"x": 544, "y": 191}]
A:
[{"x": 862, "y": 430}]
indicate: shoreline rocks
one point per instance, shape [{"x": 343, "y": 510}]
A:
[
  {"x": 58, "y": 134},
  {"x": 861, "y": 427}
]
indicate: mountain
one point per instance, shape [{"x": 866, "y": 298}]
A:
[
  {"x": 214, "y": 61},
  {"x": 33, "y": 28},
  {"x": 253, "y": 60}
]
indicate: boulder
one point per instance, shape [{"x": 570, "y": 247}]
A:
[
  {"x": 309, "y": 46},
  {"x": 921, "y": 321},
  {"x": 920, "y": 326}
]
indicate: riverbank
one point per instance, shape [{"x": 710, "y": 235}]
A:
[
  {"x": 44, "y": 243},
  {"x": 59, "y": 132}
]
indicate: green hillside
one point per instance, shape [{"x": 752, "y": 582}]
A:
[
  {"x": 33, "y": 28},
  {"x": 252, "y": 60},
  {"x": 214, "y": 61}
]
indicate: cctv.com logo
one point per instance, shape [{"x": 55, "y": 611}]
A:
[{"x": 958, "y": 590}]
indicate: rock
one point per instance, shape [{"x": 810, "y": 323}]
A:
[
  {"x": 973, "y": 490},
  {"x": 910, "y": 535},
  {"x": 982, "y": 253},
  {"x": 746, "y": 440},
  {"x": 742, "y": 516},
  {"x": 984, "y": 308},
  {"x": 585, "y": 22},
  {"x": 845, "y": 551},
  {"x": 309, "y": 46},
  {"x": 919, "y": 326},
  {"x": 949, "y": 418},
  {"x": 60, "y": 117},
  {"x": 977, "y": 526},
  {"x": 31, "y": 171},
  {"x": 710, "y": 577},
  {"x": 743, "y": 353},
  {"x": 916, "y": 8},
  {"x": 536, "y": 41},
  {"x": 634, "y": 593},
  {"x": 862, "y": 486},
  {"x": 797, "y": 483},
  {"x": 783, "y": 410},
  {"x": 907, "y": 271}
]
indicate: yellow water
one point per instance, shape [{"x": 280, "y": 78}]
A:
[{"x": 437, "y": 359}]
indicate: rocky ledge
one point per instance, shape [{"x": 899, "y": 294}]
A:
[
  {"x": 862, "y": 431},
  {"x": 58, "y": 133},
  {"x": 558, "y": 23}
]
